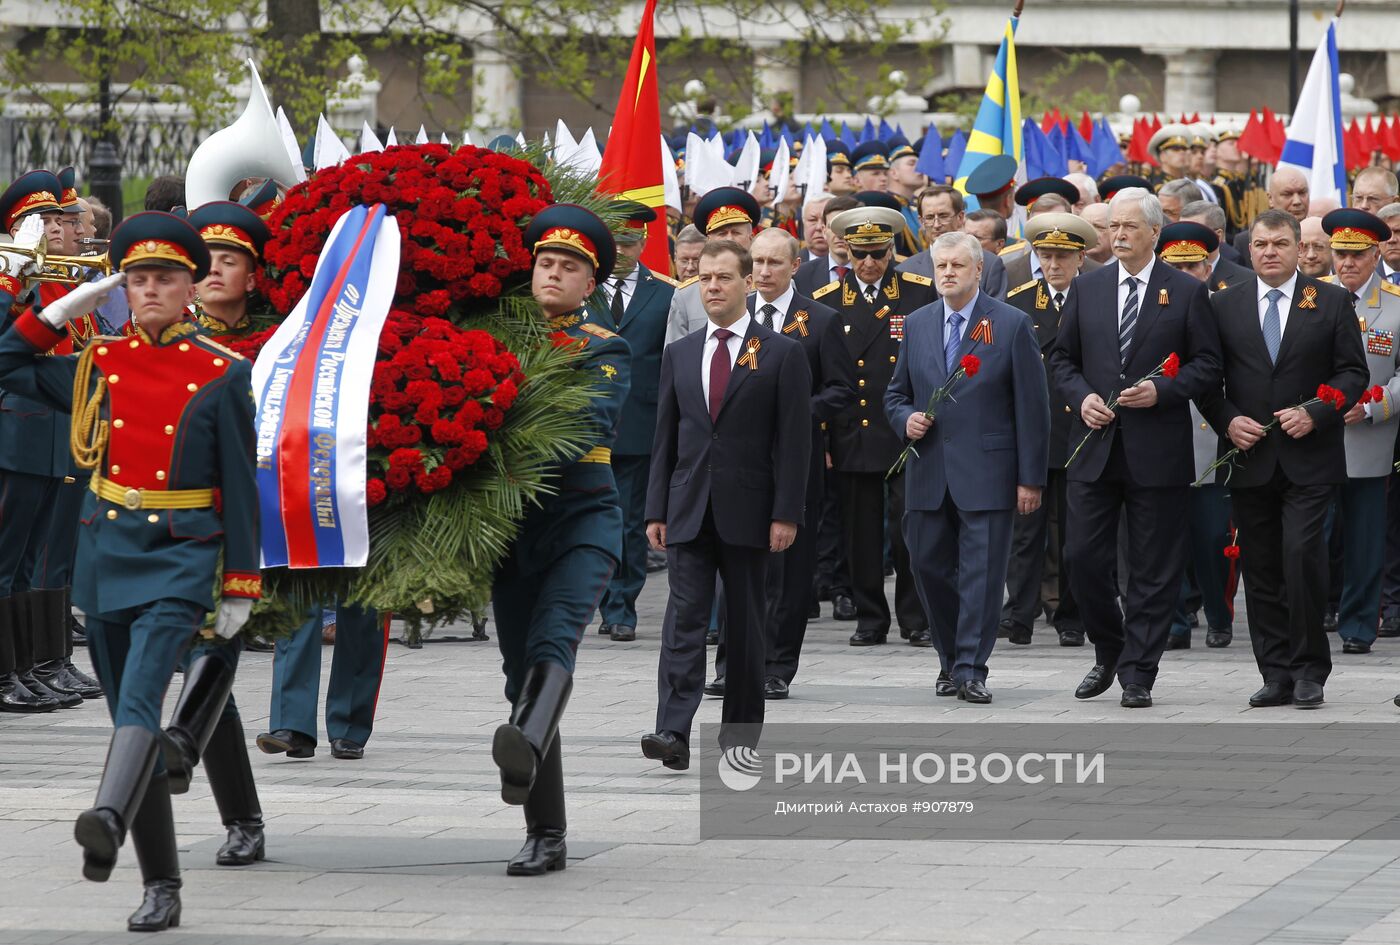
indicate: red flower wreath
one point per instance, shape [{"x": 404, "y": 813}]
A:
[
  {"x": 461, "y": 215},
  {"x": 437, "y": 392}
]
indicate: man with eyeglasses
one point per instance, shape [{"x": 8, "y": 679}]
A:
[
  {"x": 873, "y": 300},
  {"x": 1374, "y": 188},
  {"x": 941, "y": 210},
  {"x": 1314, "y": 250}
]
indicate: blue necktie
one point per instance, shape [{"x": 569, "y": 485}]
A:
[
  {"x": 1273, "y": 329},
  {"x": 1394, "y": 277},
  {"x": 953, "y": 342}
]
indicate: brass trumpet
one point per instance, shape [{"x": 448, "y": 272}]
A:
[{"x": 69, "y": 270}]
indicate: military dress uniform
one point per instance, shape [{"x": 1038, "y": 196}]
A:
[
  {"x": 863, "y": 447},
  {"x": 1370, "y": 444},
  {"x": 547, "y": 586},
  {"x": 166, "y": 426},
  {"x": 34, "y": 462},
  {"x": 205, "y": 723},
  {"x": 637, "y": 310}
]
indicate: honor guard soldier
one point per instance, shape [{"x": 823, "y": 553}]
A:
[
  {"x": 34, "y": 461},
  {"x": 725, "y": 213},
  {"x": 1036, "y": 578},
  {"x": 873, "y": 300},
  {"x": 638, "y": 300},
  {"x": 164, "y": 420},
  {"x": 905, "y": 183},
  {"x": 1188, "y": 247},
  {"x": 870, "y": 166},
  {"x": 1370, "y": 426},
  {"x": 50, "y": 575},
  {"x": 839, "y": 179},
  {"x": 205, "y": 723},
  {"x": 993, "y": 183},
  {"x": 548, "y": 585}
]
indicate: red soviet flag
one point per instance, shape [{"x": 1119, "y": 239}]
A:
[{"x": 632, "y": 159}]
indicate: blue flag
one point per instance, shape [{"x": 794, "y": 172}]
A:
[
  {"x": 957, "y": 147},
  {"x": 931, "y": 162}
]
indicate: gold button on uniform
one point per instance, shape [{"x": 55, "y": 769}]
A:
[
  {"x": 862, "y": 403},
  {"x": 218, "y": 362},
  {"x": 119, "y": 423},
  {"x": 861, "y": 382},
  {"x": 113, "y": 378},
  {"x": 860, "y": 363},
  {"x": 135, "y": 343},
  {"x": 153, "y": 518},
  {"x": 892, "y": 359},
  {"x": 1067, "y": 410},
  {"x": 111, "y": 513},
  {"x": 184, "y": 346},
  {"x": 160, "y": 474},
  {"x": 865, "y": 423},
  {"x": 170, "y": 430},
  {"x": 116, "y": 469},
  {"x": 102, "y": 349},
  {"x": 1204, "y": 426},
  {"x": 191, "y": 387}
]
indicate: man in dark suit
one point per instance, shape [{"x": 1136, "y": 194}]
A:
[
  {"x": 776, "y": 305},
  {"x": 987, "y": 457},
  {"x": 1281, "y": 338},
  {"x": 1118, "y": 326},
  {"x": 942, "y": 210},
  {"x": 873, "y": 300},
  {"x": 728, "y": 485},
  {"x": 1036, "y": 577},
  {"x": 1225, "y": 270},
  {"x": 835, "y": 262},
  {"x": 638, "y": 303}
]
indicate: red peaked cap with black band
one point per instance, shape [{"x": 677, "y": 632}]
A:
[{"x": 34, "y": 192}]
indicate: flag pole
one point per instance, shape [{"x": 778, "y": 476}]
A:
[{"x": 1020, "y": 4}]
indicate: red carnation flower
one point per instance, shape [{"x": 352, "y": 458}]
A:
[
  {"x": 1332, "y": 396},
  {"x": 398, "y": 478},
  {"x": 971, "y": 364},
  {"x": 375, "y": 492},
  {"x": 1232, "y": 551},
  {"x": 1171, "y": 367},
  {"x": 1377, "y": 394}
]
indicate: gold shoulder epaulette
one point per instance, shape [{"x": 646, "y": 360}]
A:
[
  {"x": 1023, "y": 287},
  {"x": 915, "y": 278},
  {"x": 661, "y": 277},
  {"x": 208, "y": 342},
  {"x": 1015, "y": 247},
  {"x": 690, "y": 281},
  {"x": 1390, "y": 287},
  {"x": 599, "y": 330},
  {"x": 1330, "y": 279},
  {"x": 826, "y": 289}
]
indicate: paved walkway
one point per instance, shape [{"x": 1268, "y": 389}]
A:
[{"x": 407, "y": 846}]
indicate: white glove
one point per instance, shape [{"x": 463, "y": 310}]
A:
[
  {"x": 83, "y": 299},
  {"x": 29, "y": 235},
  {"x": 233, "y": 614}
]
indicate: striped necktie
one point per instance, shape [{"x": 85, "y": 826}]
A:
[{"x": 1129, "y": 320}]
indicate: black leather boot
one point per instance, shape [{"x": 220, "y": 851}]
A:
[
  {"x": 208, "y": 681},
  {"x": 101, "y": 831},
  {"x": 231, "y": 781},
  {"x": 544, "y": 850},
  {"x": 52, "y": 646},
  {"x": 523, "y": 741},
  {"x": 15, "y": 696},
  {"x": 153, "y": 836},
  {"x": 27, "y": 633}
]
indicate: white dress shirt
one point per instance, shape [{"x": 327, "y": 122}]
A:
[
  {"x": 1143, "y": 276},
  {"x": 782, "y": 303},
  {"x": 1283, "y": 304},
  {"x": 864, "y": 288},
  {"x": 629, "y": 288},
  {"x": 740, "y": 328}
]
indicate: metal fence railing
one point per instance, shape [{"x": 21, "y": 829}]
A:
[{"x": 148, "y": 146}]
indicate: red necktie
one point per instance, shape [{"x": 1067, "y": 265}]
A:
[
  {"x": 719, "y": 370},
  {"x": 841, "y": 272}
]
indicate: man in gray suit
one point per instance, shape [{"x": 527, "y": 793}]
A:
[
  {"x": 985, "y": 461},
  {"x": 1370, "y": 426},
  {"x": 941, "y": 210},
  {"x": 725, "y": 213}
]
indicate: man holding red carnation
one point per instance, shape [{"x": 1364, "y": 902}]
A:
[
  {"x": 977, "y": 461},
  {"x": 1284, "y": 337},
  {"x": 1355, "y": 237}
]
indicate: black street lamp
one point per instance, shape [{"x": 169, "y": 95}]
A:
[{"x": 104, "y": 165}]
